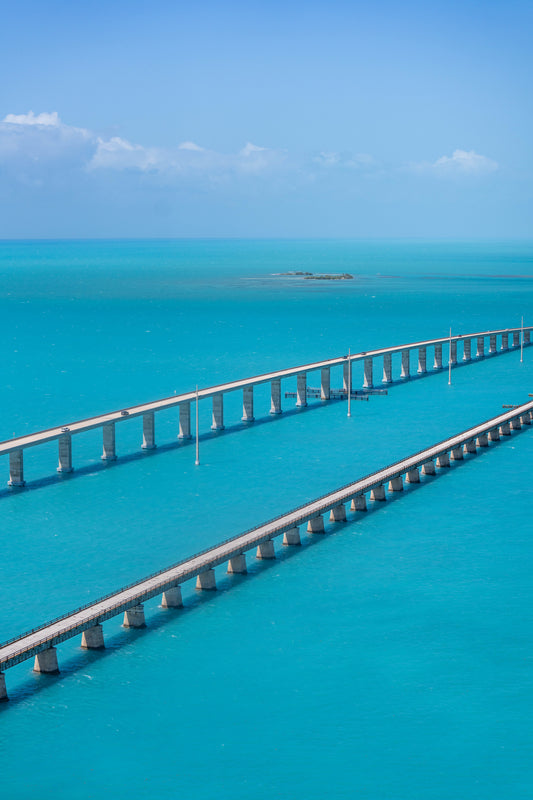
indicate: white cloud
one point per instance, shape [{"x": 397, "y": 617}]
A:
[
  {"x": 45, "y": 118},
  {"x": 461, "y": 162},
  {"x": 344, "y": 160},
  {"x": 249, "y": 149},
  {"x": 190, "y": 146}
]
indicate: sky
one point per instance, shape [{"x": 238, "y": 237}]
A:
[{"x": 266, "y": 119}]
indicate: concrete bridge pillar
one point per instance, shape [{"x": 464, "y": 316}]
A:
[
  {"x": 438, "y": 357},
  {"x": 108, "y": 439},
  {"x": 171, "y": 598},
  {"x": 378, "y": 493},
  {"x": 387, "y": 368},
  {"x": 429, "y": 468},
  {"x": 134, "y": 617},
  {"x": 505, "y": 341},
  {"x": 494, "y": 435},
  {"x": 237, "y": 565},
  {"x": 443, "y": 460},
  {"x": 218, "y": 413},
  {"x": 275, "y": 396},
  {"x": 492, "y": 343},
  {"x": 480, "y": 347},
  {"x": 65, "y": 453},
  {"x": 467, "y": 349},
  {"x": 206, "y": 580},
  {"x": 505, "y": 429},
  {"x": 338, "y": 513},
  {"x": 46, "y": 661},
  {"x": 525, "y": 419},
  {"x": 3, "y": 690},
  {"x": 482, "y": 440},
  {"x": 347, "y": 377},
  {"x": 368, "y": 381},
  {"x": 315, "y": 525},
  {"x": 413, "y": 475},
  {"x": 266, "y": 550},
  {"x": 325, "y": 383},
  {"x": 149, "y": 431},
  {"x": 422, "y": 360},
  {"x": 457, "y": 454},
  {"x": 396, "y": 484},
  {"x": 359, "y": 503},
  {"x": 185, "y": 420},
  {"x": 516, "y": 425},
  {"x": 516, "y": 338},
  {"x": 470, "y": 446},
  {"x": 16, "y": 468},
  {"x": 453, "y": 352},
  {"x": 248, "y": 404},
  {"x": 405, "y": 365},
  {"x": 93, "y": 638},
  {"x": 292, "y": 537},
  {"x": 527, "y": 337},
  {"x": 301, "y": 389}
]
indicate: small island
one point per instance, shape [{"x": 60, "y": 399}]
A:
[{"x": 310, "y": 276}]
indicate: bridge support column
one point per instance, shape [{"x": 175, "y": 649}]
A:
[
  {"x": 413, "y": 476},
  {"x": 338, "y": 513},
  {"x": 359, "y": 503},
  {"x": 516, "y": 338},
  {"x": 505, "y": 429},
  {"x": 422, "y": 360},
  {"x": 405, "y": 365},
  {"x": 467, "y": 349},
  {"x": 315, "y": 525},
  {"x": 492, "y": 343},
  {"x": 453, "y": 352},
  {"x": 65, "y": 453},
  {"x": 266, "y": 550},
  {"x": 275, "y": 396},
  {"x": 378, "y": 493},
  {"x": 480, "y": 347},
  {"x": 237, "y": 565},
  {"x": 516, "y": 425},
  {"x": 505, "y": 341},
  {"x": 438, "y": 357},
  {"x": 368, "y": 381},
  {"x": 325, "y": 380},
  {"x": 46, "y": 661},
  {"x": 3, "y": 690},
  {"x": 301, "y": 389},
  {"x": 292, "y": 537},
  {"x": 429, "y": 468},
  {"x": 93, "y": 638},
  {"x": 482, "y": 440},
  {"x": 346, "y": 377},
  {"x": 457, "y": 454},
  {"x": 396, "y": 484},
  {"x": 387, "y": 368},
  {"x": 443, "y": 460},
  {"x": 470, "y": 446},
  {"x": 206, "y": 580},
  {"x": 149, "y": 431},
  {"x": 108, "y": 439},
  {"x": 185, "y": 420},
  {"x": 527, "y": 337},
  {"x": 171, "y": 598},
  {"x": 16, "y": 468},
  {"x": 248, "y": 404},
  {"x": 525, "y": 419},
  {"x": 494, "y": 435},
  {"x": 218, "y": 413},
  {"x": 134, "y": 617}
]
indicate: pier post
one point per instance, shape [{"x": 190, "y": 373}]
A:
[
  {"x": 93, "y": 638},
  {"x": 421, "y": 360},
  {"x": 525, "y": 419},
  {"x": 3, "y": 690},
  {"x": 65, "y": 453},
  {"x": 346, "y": 376},
  {"x": 338, "y": 513},
  {"x": 325, "y": 379},
  {"x": 396, "y": 484},
  {"x": 438, "y": 357},
  {"x": 291, "y": 537},
  {"x": 480, "y": 347},
  {"x": 453, "y": 352},
  {"x": 516, "y": 338},
  {"x": 413, "y": 475},
  {"x": 248, "y": 404},
  {"x": 428, "y": 468},
  {"x": 387, "y": 368},
  {"x": 206, "y": 580},
  {"x": 494, "y": 435},
  {"x": 46, "y": 661},
  {"x": 315, "y": 525},
  {"x": 171, "y": 598},
  {"x": 470, "y": 446},
  {"x": 443, "y": 460},
  {"x": 359, "y": 503},
  {"x": 218, "y": 413},
  {"x": 492, "y": 343},
  {"x": 275, "y": 396},
  {"x": 505, "y": 429},
  {"x": 405, "y": 365},
  {"x": 505, "y": 341},
  {"x": 16, "y": 468},
  {"x": 527, "y": 337},
  {"x": 301, "y": 389},
  {"x": 467, "y": 349},
  {"x": 516, "y": 425},
  {"x": 457, "y": 454},
  {"x": 185, "y": 420},
  {"x": 482, "y": 440},
  {"x": 266, "y": 550},
  {"x": 237, "y": 565},
  {"x": 368, "y": 381},
  {"x": 134, "y": 617},
  {"x": 378, "y": 493},
  {"x": 149, "y": 431},
  {"x": 108, "y": 438}
]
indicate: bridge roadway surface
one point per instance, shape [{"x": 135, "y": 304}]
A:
[
  {"x": 51, "y": 434},
  {"x": 50, "y": 634}
]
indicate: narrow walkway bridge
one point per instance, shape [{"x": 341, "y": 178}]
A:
[
  {"x": 40, "y": 642},
  {"x": 63, "y": 434}
]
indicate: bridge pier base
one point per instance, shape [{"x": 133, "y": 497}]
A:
[
  {"x": 505, "y": 341},
  {"x": 443, "y": 460},
  {"x": 505, "y": 429},
  {"x": 248, "y": 404},
  {"x": 405, "y": 374},
  {"x": 275, "y": 397},
  {"x": 338, "y": 513},
  {"x": 483, "y": 440},
  {"x": 437, "y": 364},
  {"x": 387, "y": 368},
  {"x": 494, "y": 435},
  {"x": 171, "y": 598},
  {"x": 516, "y": 425},
  {"x": 480, "y": 353},
  {"x": 467, "y": 349},
  {"x": 429, "y": 468},
  {"x": 292, "y": 537},
  {"x": 378, "y": 493},
  {"x": 46, "y": 661},
  {"x": 93, "y": 638},
  {"x": 185, "y": 420},
  {"x": 315, "y": 525},
  {"x": 457, "y": 454},
  {"x": 525, "y": 419},
  {"x": 266, "y": 550},
  {"x": 134, "y": 617},
  {"x": 346, "y": 377},
  {"x": 3, "y": 690},
  {"x": 470, "y": 447},
  {"x": 413, "y": 476},
  {"x": 452, "y": 355},
  {"x": 301, "y": 390},
  {"x": 206, "y": 580},
  {"x": 325, "y": 381},
  {"x": 492, "y": 343},
  {"x": 65, "y": 453},
  {"x": 396, "y": 484},
  {"x": 16, "y": 468},
  {"x": 218, "y": 413},
  {"x": 359, "y": 503},
  {"x": 237, "y": 565},
  {"x": 368, "y": 382},
  {"x": 422, "y": 354},
  {"x": 516, "y": 338},
  {"x": 149, "y": 431},
  {"x": 108, "y": 441}
]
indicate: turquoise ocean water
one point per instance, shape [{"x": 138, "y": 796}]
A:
[{"x": 389, "y": 660}]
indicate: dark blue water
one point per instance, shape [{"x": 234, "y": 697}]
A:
[{"x": 387, "y": 660}]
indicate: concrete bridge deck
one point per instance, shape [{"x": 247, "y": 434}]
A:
[{"x": 201, "y": 565}]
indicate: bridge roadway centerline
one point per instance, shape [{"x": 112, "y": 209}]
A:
[
  {"x": 90, "y": 423},
  {"x": 48, "y": 635}
]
